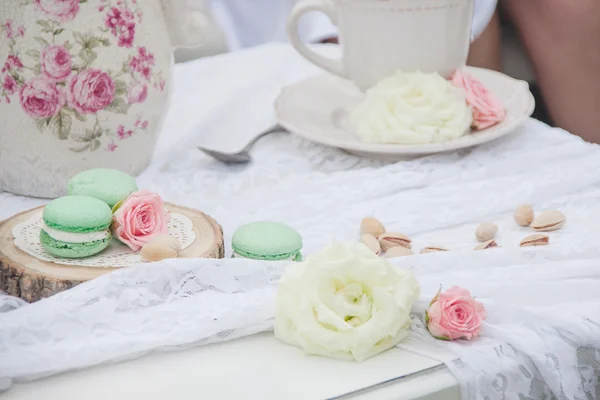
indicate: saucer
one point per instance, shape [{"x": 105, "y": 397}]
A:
[{"x": 318, "y": 109}]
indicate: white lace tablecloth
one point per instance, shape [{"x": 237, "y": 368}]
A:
[{"x": 543, "y": 332}]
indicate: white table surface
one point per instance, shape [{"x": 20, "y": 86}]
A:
[{"x": 258, "y": 367}]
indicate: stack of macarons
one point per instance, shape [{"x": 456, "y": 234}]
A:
[
  {"x": 78, "y": 225},
  {"x": 270, "y": 241}
]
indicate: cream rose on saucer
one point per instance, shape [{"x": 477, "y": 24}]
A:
[
  {"x": 344, "y": 302},
  {"x": 412, "y": 108}
]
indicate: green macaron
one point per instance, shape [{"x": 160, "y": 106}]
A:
[
  {"x": 267, "y": 241},
  {"x": 76, "y": 226},
  {"x": 108, "y": 185}
]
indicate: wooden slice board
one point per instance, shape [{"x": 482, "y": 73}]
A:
[{"x": 32, "y": 279}]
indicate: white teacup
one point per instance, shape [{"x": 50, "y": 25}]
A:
[{"x": 380, "y": 37}]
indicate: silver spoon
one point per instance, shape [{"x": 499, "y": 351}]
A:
[{"x": 242, "y": 156}]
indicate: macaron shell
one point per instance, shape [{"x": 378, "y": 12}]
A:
[
  {"x": 72, "y": 250},
  {"x": 78, "y": 214},
  {"x": 296, "y": 256},
  {"x": 108, "y": 185},
  {"x": 266, "y": 240}
]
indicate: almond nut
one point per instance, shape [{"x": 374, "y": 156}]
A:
[
  {"x": 398, "y": 251},
  {"x": 490, "y": 244},
  {"x": 486, "y": 231},
  {"x": 371, "y": 226},
  {"x": 371, "y": 242},
  {"x": 524, "y": 215},
  {"x": 390, "y": 239},
  {"x": 551, "y": 220},
  {"x": 433, "y": 249},
  {"x": 537, "y": 239}
]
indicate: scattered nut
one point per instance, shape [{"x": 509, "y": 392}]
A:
[
  {"x": 490, "y": 244},
  {"x": 161, "y": 247},
  {"x": 371, "y": 242},
  {"x": 371, "y": 226},
  {"x": 551, "y": 220},
  {"x": 398, "y": 251},
  {"x": 433, "y": 249},
  {"x": 537, "y": 239},
  {"x": 524, "y": 215},
  {"x": 486, "y": 231},
  {"x": 390, "y": 240}
]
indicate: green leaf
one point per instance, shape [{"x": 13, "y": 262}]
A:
[
  {"x": 118, "y": 205},
  {"x": 42, "y": 41},
  {"x": 41, "y": 124},
  {"x": 436, "y": 297},
  {"x": 80, "y": 117},
  {"x": 45, "y": 25},
  {"x": 80, "y": 147},
  {"x": 37, "y": 69},
  {"x": 78, "y": 38},
  {"x": 88, "y": 56},
  {"x": 95, "y": 145},
  {"x": 82, "y": 1},
  {"x": 120, "y": 88},
  {"x": 105, "y": 42},
  {"x": 68, "y": 45},
  {"x": 86, "y": 138},
  {"x": 61, "y": 125},
  {"x": 33, "y": 53},
  {"x": 58, "y": 31},
  {"x": 118, "y": 106},
  {"x": 93, "y": 42}
]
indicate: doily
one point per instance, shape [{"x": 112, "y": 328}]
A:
[{"x": 27, "y": 238}]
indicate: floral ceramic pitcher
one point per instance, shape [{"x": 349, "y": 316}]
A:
[{"x": 84, "y": 83}]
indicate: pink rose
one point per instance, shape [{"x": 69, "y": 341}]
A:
[
  {"x": 56, "y": 63},
  {"x": 9, "y": 85},
  {"x": 41, "y": 98},
  {"x": 140, "y": 217},
  {"x": 455, "y": 315},
  {"x": 137, "y": 93},
  {"x": 90, "y": 91},
  {"x": 487, "y": 109},
  {"x": 61, "y": 10}
]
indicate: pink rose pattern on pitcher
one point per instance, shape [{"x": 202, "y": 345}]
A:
[{"x": 58, "y": 81}]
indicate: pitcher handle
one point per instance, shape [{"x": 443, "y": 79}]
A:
[
  {"x": 326, "y": 6},
  {"x": 188, "y": 26}
]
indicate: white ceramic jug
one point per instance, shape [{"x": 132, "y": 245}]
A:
[{"x": 84, "y": 84}]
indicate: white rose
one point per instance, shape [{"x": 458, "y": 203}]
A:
[
  {"x": 344, "y": 302},
  {"x": 412, "y": 108}
]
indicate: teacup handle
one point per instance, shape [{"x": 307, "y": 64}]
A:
[{"x": 326, "y": 6}]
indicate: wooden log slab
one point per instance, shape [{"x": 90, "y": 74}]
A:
[{"x": 32, "y": 279}]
